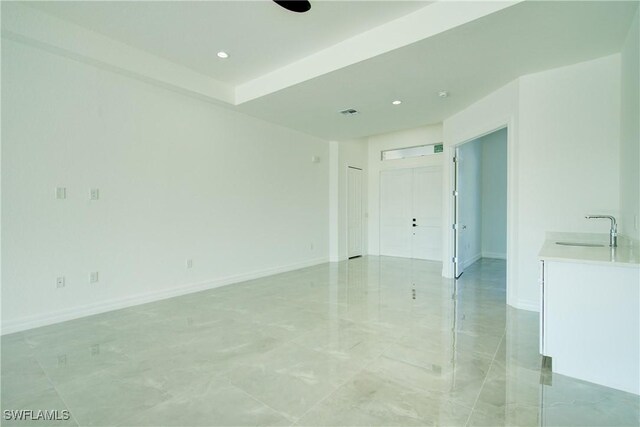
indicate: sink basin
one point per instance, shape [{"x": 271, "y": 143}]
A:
[{"x": 590, "y": 245}]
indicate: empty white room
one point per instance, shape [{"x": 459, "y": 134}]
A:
[{"x": 320, "y": 213}]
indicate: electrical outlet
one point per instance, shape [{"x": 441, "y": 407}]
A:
[
  {"x": 95, "y": 350},
  {"x": 189, "y": 263},
  {"x": 61, "y": 193},
  {"x": 93, "y": 277},
  {"x": 60, "y": 282},
  {"x": 62, "y": 360},
  {"x": 94, "y": 194}
]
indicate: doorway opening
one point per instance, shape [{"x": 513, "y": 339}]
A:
[
  {"x": 354, "y": 212},
  {"x": 480, "y": 201}
]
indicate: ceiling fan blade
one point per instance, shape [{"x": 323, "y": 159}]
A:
[{"x": 298, "y": 6}]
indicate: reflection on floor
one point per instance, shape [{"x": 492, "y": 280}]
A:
[{"x": 370, "y": 341}]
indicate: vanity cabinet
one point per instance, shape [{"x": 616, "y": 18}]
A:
[{"x": 590, "y": 321}]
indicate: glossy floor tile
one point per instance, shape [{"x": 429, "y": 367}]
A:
[{"x": 369, "y": 341}]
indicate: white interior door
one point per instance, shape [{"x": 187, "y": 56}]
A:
[
  {"x": 411, "y": 213},
  {"x": 457, "y": 259},
  {"x": 354, "y": 212},
  {"x": 427, "y": 213},
  {"x": 395, "y": 212}
]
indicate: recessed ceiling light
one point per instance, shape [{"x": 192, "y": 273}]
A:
[
  {"x": 222, "y": 54},
  {"x": 443, "y": 94},
  {"x": 397, "y": 102}
]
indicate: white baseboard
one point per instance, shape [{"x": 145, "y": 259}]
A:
[
  {"x": 31, "y": 322},
  {"x": 468, "y": 262},
  {"x": 526, "y": 305},
  {"x": 494, "y": 255}
]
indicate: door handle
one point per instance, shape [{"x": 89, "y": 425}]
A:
[{"x": 415, "y": 225}]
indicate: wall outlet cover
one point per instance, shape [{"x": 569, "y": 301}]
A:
[{"x": 61, "y": 193}]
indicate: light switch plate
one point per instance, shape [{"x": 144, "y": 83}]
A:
[
  {"x": 95, "y": 194},
  {"x": 61, "y": 193}
]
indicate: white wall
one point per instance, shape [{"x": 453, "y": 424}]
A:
[
  {"x": 630, "y": 136},
  {"x": 350, "y": 153},
  {"x": 406, "y": 138},
  {"x": 569, "y": 156},
  {"x": 494, "y": 194},
  {"x": 563, "y": 158},
  {"x": 470, "y": 202},
  {"x": 178, "y": 179}
]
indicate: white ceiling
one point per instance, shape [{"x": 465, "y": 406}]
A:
[
  {"x": 472, "y": 50},
  {"x": 259, "y": 35},
  {"x": 469, "y": 61}
]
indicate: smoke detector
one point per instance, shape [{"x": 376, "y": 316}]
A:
[
  {"x": 349, "y": 112},
  {"x": 443, "y": 94}
]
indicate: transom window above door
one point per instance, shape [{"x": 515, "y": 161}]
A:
[{"x": 409, "y": 152}]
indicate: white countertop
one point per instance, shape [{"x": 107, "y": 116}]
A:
[{"x": 625, "y": 255}]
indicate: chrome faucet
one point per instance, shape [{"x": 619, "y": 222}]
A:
[{"x": 613, "y": 233}]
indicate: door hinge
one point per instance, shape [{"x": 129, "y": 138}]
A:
[
  {"x": 454, "y": 226},
  {"x": 455, "y": 159},
  {"x": 455, "y": 193},
  {"x": 454, "y": 259}
]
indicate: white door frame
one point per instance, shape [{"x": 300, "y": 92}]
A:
[
  {"x": 346, "y": 214},
  {"x": 512, "y": 205}
]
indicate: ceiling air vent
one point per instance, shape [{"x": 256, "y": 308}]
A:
[{"x": 349, "y": 112}]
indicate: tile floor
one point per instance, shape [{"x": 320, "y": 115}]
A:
[{"x": 371, "y": 341}]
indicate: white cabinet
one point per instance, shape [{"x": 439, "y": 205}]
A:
[{"x": 590, "y": 322}]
